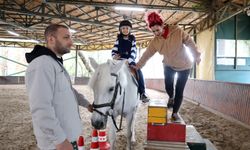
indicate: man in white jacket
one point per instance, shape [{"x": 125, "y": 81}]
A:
[{"x": 53, "y": 100}]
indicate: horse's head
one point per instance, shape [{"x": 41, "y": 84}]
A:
[{"x": 106, "y": 83}]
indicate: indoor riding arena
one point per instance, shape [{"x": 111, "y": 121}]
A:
[{"x": 215, "y": 111}]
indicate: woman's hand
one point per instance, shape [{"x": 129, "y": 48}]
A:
[
  {"x": 198, "y": 58},
  {"x": 133, "y": 67}
]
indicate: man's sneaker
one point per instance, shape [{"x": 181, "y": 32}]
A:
[
  {"x": 175, "y": 117},
  {"x": 170, "y": 103},
  {"x": 144, "y": 98}
]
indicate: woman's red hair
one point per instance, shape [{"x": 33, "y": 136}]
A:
[{"x": 153, "y": 18}]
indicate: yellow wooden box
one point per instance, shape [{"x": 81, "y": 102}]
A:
[
  {"x": 157, "y": 111},
  {"x": 161, "y": 120}
]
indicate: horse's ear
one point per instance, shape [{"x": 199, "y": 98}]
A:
[
  {"x": 117, "y": 65},
  {"x": 93, "y": 63}
]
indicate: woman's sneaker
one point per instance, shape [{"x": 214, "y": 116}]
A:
[
  {"x": 175, "y": 117},
  {"x": 144, "y": 98},
  {"x": 170, "y": 103}
]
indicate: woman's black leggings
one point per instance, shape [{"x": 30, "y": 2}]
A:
[
  {"x": 169, "y": 74},
  {"x": 141, "y": 85}
]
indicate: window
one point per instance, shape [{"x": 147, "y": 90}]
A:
[
  {"x": 243, "y": 48},
  {"x": 225, "y": 48}
]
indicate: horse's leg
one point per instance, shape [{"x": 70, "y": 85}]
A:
[
  {"x": 133, "y": 126},
  {"x": 130, "y": 129},
  {"x": 111, "y": 134}
]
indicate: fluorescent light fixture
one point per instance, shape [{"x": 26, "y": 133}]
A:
[
  {"x": 129, "y": 8},
  {"x": 248, "y": 12},
  {"x": 13, "y": 33},
  {"x": 72, "y": 31},
  {"x": 78, "y": 43},
  {"x": 18, "y": 40}
]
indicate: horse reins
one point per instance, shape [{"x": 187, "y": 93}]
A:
[{"x": 112, "y": 103}]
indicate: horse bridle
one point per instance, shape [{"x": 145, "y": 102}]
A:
[{"x": 112, "y": 103}]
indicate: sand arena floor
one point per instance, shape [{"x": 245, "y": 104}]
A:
[{"x": 16, "y": 131}]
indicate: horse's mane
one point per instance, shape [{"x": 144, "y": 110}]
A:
[
  {"x": 103, "y": 70},
  {"x": 93, "y": 79}
]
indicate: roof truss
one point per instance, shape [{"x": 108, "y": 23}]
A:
[{"x": 96, "y": 22}]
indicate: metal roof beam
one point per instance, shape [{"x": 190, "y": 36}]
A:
[
  {"x": 110, "y": 4},
  {"x": 178, "y": 21},
  {"x": 70, "y": 18},
  {"x": 194, "y": 1},
  {"x": 226, "y": 12},
  {"x": 16, "y": 25}
]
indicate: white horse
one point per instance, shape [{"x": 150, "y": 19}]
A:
[{"x": 115, "y": 93}]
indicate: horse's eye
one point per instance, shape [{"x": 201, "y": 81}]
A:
[{"x": 111, "y": 89}]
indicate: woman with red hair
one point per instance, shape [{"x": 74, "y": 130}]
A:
[{"x": 169, "y": 41}]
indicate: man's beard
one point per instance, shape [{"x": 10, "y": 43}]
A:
[{"x": 61, "y": 49}]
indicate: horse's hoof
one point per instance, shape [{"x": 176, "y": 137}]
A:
[{"x": 133, "y": 143}]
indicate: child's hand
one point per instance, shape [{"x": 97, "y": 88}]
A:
[{"x": 117, "y": 56}]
